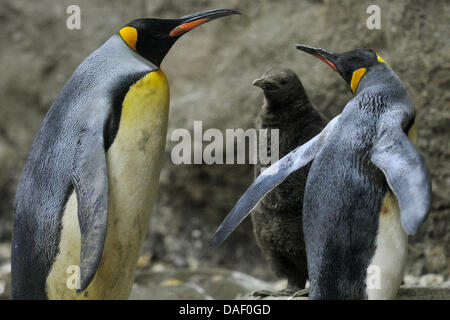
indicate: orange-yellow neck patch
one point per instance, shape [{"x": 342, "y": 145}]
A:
[
  {"x": 129, "y": 35},
  {"x": 356, "y": 78},
  {"x": 147, "y": 97},
  {"x": 412, "y": 134}
]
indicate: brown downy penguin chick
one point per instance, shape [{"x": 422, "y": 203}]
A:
[{"x": 277, "y": 220}]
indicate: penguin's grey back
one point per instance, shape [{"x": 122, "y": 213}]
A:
[{"x": 344, "y": 195}]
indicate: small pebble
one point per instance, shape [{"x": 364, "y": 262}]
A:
[
  {"x": 410, "y": 280},
  {"x": 144, "y": 261},
  {"x": 171, "y": 283},
  {"x": 431, "y": 280},
  {"x": 158, "y": 267},
  {"x": 217, "y": 277},
  {"x": 196, "y": 233}
]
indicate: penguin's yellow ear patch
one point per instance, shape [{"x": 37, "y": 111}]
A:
[
  {"x": 129, "y": 35},
  {"x": 413, "y": 134},
  {"x": 380, "y": 59},
  {"x": 356, "y": 78}
]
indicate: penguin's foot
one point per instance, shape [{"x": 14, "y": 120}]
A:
[{"x": 268, "y": 293}]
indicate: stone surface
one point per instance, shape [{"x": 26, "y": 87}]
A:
[
  {"x": 423, "y": 293},
  {"x": 210, "y": 72},
  {"x": 159, "y": 281},
  {"x": 194, "y": 284},
  {"x": 404, "y": 293}
]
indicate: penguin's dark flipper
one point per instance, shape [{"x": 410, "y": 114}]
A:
[
  {"x": 406, "y": 174},
  {"x": 90, "y": 179},
  {"x": 269, "y": 179}
]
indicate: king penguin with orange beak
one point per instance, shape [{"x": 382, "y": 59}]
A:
[
  {"x": 367, "y": 189},
  {"x": 86, "y": 194}
]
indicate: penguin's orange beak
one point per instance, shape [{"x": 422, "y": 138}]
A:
[
  {"x": 194, "y": 20},
  {"x": 328, "y": 57}
]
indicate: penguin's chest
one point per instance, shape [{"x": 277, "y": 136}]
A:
[{"x": 134, "y": 163}]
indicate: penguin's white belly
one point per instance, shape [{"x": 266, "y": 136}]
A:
[
  {"x": 134, "y": 164},
  {"x": 386, "y": 271},
  {"x": 392, "y": 247}
]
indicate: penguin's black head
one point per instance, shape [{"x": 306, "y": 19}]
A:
[
  {"x": 351, "y": 65},
  {"x": 153, "y": 38},
  {"x": 281, "y": 86}
]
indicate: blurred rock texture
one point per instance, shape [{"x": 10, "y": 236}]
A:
[{"x": 211, "y": 71}]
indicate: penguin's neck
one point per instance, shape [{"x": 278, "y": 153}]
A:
[
  {"x": 276, "y": 115},
  {"x": 381, "y": 77},
  {"x": 380, "y": 89},
  {"x": 291, "y": 120}
]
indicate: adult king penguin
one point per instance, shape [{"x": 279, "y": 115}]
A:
[
  {"x": 366, "y": 190},
  {"x": 277, "y": 218},
  {"x": 86, "y": 194}
]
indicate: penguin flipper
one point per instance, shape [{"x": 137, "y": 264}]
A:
[
  {"x": 269, "y": 179},
  {"x": 90, "y": 179},
  {"x": 404, "y": 168}
]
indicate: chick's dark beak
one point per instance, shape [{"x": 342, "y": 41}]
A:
[
  {"x": 328, "y": 57},
  {"x": 259, "y": 83},
  {"x": 192, "y": 21},
  {"x": 266, "y": 85}
]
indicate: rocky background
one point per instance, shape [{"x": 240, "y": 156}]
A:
[{"x": 210, "y": 71}]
